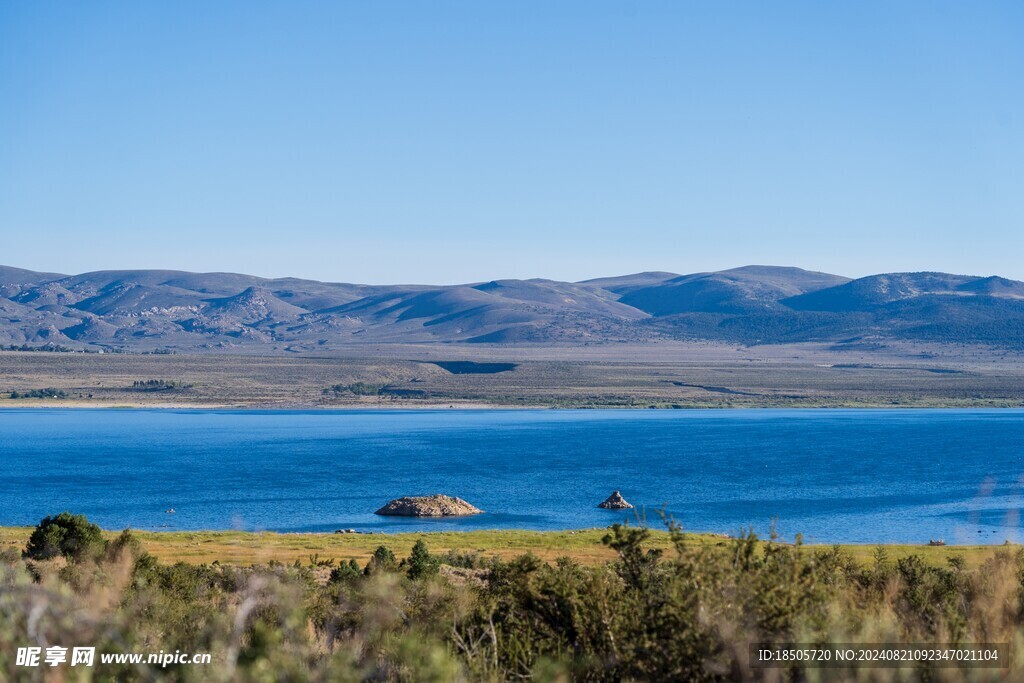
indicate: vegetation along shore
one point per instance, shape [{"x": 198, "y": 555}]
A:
[{"x": 624, "y": 603}]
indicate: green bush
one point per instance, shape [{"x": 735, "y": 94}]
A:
[
  {"x": 346, "y": 571},
  {"x": 421, "y": 563},
  {"x": 158, "y": 385},
  {"x": 383, "y": 560},
  {"x": 357, "y": 388},
  {"x": 68, "y": 535},
  {"x": 49, "y": 392}
]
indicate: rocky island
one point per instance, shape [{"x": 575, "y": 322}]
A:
[
  {"x": 615, "y": 502},
  {"x": 437, "y": 505}
]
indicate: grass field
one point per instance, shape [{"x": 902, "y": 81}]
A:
[{"x": 584, "y": 546}]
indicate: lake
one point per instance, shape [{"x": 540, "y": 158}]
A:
[{"x": 832, "y": 475}]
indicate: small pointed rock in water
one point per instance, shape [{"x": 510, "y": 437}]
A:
[
  {"x": 429, "y": 506},
  {"x": 615, "y": 502}
]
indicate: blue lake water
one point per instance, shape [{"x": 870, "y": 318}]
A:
[{"x": 832, "y": 475}]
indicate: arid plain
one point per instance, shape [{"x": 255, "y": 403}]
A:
[{"x": 672, "y": 375}]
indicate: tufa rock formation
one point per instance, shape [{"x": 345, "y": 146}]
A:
[
  {"x": 429, "y": 506},
  {"x": 615, "y": 502}
]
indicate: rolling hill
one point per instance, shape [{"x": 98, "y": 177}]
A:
[
  {"x": 868, "y": 293},
  {"x": 740, "y": 290},
  {"x": 163, "y": 310}
]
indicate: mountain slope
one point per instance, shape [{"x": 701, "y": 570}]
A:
[
  {"x": 623, "y": 284},
  {"x": 20, "y": 276},
  {"x": 149, "y": 310},
  {"x": 740, "y": 290},
  {"x": 868, "y": 293},
  {"x": 538, "y": 310}
]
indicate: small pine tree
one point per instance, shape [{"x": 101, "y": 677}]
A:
[
  {"x": 421, "y": 563},
  {"x": 72, "y": 536}
]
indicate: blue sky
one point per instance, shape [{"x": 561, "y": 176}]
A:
[{"x": 459, "y": 141}]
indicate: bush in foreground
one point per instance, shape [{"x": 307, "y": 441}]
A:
[
  {"x": 688, "y": 614},
  {"x": 67, "y": 535}
]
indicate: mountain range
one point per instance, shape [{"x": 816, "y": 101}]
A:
[{"x": 163, "y": 310}]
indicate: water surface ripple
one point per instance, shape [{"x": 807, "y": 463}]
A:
[{"x": 833, "y": 475}]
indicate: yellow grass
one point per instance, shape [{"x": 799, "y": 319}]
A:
[{"x": 584, "y": 546}]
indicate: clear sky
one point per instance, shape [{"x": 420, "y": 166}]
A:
[{"x": 445, "y": 142}]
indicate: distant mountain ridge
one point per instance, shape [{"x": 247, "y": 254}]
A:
[
  {"x": 747, "y": 289},
  {"x": 164, "y": 310}
]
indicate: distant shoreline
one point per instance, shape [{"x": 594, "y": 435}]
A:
[
  {"x": 19, "y": 404},
  {"x": 85, "y": 405}
]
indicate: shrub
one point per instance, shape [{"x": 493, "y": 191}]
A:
[
  {"x": 357, "y": 388},
  {"x": 346, "y": 571},
  {"x": 382, "y": 560},
  {"x": 421, "y": 562},
  {"x": 158, "y": 385},
  {"x": 72, "y": 536},
  {"x": 49, "y": 392},
  {"x": 466, "y": 559}
]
